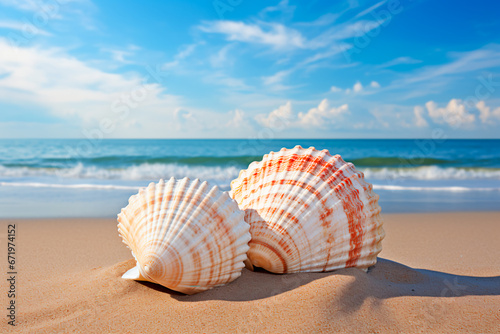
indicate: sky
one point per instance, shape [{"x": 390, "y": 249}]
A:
[{"x": 249, "y": 69}]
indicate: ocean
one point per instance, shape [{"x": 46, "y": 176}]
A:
[{"x": 95, "y": 178}]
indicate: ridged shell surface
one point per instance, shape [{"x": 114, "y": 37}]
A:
[
  {"x": 184, "y": 235},
  {"x": 308, "y": 211}
]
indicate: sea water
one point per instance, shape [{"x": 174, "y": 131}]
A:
[{"x": 95, "y": 178}]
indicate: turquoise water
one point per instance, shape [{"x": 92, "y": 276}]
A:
[{"x": 54, "y": 178}]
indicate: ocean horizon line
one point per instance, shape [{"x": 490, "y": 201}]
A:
[{"x": 259, "y": 139}]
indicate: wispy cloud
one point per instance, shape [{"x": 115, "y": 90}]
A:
[
  {"x": 335, "y": 49},
  {"x": 121, "y": 55},
  {"x": 185, "y": 51},
  {"x": 273, "y": 34},
  {"x": 40, "y": 15},
  {"x": 280, "y": 36},
  {"x": 324, "y": 20},
  {"x": 344, "y": 31},
  {"x": 222, "y": 79},
  {"x": 399, "y": 61},
  {"x": 276, "y": 78},
  {"x": 50, "y": 8},
  {"x": 25, "y": 27},
  {"x": 370, "y": 9},
  {"x": 283, "y": 9},
  {"x": 221, "y": 57},
  {"x": 266, "y": 67},
  {"x": 484, "y": 58},
  {"x": 28, "y": 5}
]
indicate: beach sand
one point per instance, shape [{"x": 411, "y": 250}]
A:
[{"x": 436, "y": 273}]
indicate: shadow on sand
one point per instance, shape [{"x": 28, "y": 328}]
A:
[{"x": 387, "y": 279}]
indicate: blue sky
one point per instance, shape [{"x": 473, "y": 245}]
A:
[{"x": 249, "y": 69}]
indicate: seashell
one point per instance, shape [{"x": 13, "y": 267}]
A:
[
  {"x": 184, "y": 235},
  {"x": 308, "y": 212}
]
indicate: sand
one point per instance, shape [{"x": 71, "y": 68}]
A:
[{"x": 437, "y": 273}]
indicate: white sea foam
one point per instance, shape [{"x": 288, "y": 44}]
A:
[
  {"x": 431, "y": 173},
  {"x": 155, "y": 171},
  {"x": 66, "y": 186},
  {"x": 139, "y": 172},
  {"x": 135, "y": 188},
  {"x": 452, "y": 189}
]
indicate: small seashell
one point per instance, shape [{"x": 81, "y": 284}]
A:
[
  {"x": 308, "y": 211},
  {"x": 184, "y": 235}
]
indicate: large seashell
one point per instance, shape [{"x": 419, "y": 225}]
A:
[
  {"x": 184, "y": 235},
  {"x": 308, "y": 211}
]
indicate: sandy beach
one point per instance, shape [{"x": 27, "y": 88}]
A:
[{"x": 436, "y": 273}]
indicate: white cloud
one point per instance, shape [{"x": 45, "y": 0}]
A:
[
  {"x": 486, "y": 57},
  {"x": 454, "y": 114},
  {"x": 93, "y": 103},
  {"x": 222, "y": 79},
  {"x": 345, "y": 31},
  {"x": 185, "y": 51},
  {"x": 419, "y": 117},
  {"x": 276, "y": 35},
  {"x": 335, "y": 49},
  {"x": 358, "y": 87},
  {"x": 28, "y": 5},
  {"x": 323, "y": 20},
  {"x": 392, "y": 118},
  {"x": 221, "y": 59},
  {"x": 283, "y": 9},
  {"x": 120, "y": 55},
  {"x": 371, "y": 9},
  {"x": 42, "y": 12},
  {"x": 277, "y": 119},
  {"x": 318, "y": 117},
  {"x": 183, "y": 116},
  {"x": 322, "y": 115},
  {"x": 25, "y": 27},
  {"x": 486, "y": 115},
  {"x": 237, "y": 119},
  {"x": 282, "y": 37},
  {"x": 71, "y": 90},
  {"x": 41, "y": 6},
  {"x": 276, "y": 78},
  {"x": 399, "y": 61}
]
